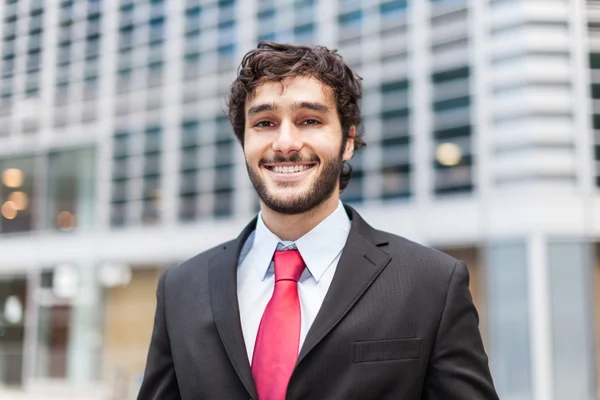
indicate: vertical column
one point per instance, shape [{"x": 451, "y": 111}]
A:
[
  {"x": 30, "y": 345},
  {"x": 84, "y": 341},
  {"x": 326, "y": 19},
  {"x": 580, "y": 106},
  {"x": 508, "y": 318},
  {"x": 108, "y": 62},
  {"x": 246, "y": 33},
  {"x": 480, "y": 116},
  {"x": 420, "y": 31},
  {"x": 169, "y": 197},
  {"x": 570, "y": 268},
  {"x": 539, "y": 320}
]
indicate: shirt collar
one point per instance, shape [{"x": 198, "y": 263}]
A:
[{"x": 318, "y": 248}]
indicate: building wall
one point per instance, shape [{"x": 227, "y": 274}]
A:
[{"x": 129, "y": 319}]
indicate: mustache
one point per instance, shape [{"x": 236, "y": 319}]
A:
[{"x": 294, "y": 158}]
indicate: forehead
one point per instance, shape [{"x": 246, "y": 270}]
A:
[{"x": 291, "y": 90}]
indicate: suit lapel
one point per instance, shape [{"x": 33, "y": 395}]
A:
[
  {"x": 225, "y": 307},
  {"x": 360, "y": 264}
]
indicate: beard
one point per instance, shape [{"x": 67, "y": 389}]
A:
[{"x": 320, "y": 189}]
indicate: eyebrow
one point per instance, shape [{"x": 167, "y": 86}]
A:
[
  {"x": 261, "y": 108},
  {"x": 309, "y": 105},
  {"x": 314, "y": 106}
]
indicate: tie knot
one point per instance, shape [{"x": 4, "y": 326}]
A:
[{"x": 289, "y": 265}]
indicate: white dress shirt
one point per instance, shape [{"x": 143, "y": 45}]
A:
[{"x": 320, "y": 249}]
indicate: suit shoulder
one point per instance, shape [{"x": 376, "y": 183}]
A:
[
  {"x": 399, "y": 246},
  {"x": 193, "y": 264}
]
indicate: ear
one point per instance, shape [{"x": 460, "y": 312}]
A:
[{"x": 349, "y": 150}]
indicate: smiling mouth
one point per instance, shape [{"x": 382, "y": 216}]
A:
[{"x": 289, "y": 169}]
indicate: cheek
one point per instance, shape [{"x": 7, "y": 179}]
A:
[{"x": 252, "y": 151}]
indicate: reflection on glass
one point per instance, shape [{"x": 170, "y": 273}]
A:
[
  {"x": 12, "y": 177},
  {"x": 13, "y": 294},
  {"x": 448, "y": 154},
  {"x": 70, "y": 189},
  {"x": 69, "y": 344},
  {"x": 9, "y": 210},
  {"x": 19, "y": 199},
  {"x": 18, "y": 180}
]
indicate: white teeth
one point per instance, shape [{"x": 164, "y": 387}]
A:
[{"x": 292, "y": 169}]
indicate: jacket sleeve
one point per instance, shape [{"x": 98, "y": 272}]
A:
[
  {"x": 160, "y": 380},
  {"x": 458, "y": 368}
]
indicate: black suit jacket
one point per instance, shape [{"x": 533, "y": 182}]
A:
[{"x": 398, "y": 322}]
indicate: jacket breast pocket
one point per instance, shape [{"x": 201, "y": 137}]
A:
[{"x": 387, "y": 350}]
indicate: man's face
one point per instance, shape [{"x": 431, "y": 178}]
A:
[{"x": 293, "y": 144}]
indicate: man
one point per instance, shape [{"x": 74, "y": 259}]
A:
[{"x": 310, "y": 302}]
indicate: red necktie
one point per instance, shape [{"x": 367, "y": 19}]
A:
[{"x": 278, "y": 338}]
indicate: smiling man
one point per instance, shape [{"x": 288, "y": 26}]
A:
[{"x": 309, "y": 301}]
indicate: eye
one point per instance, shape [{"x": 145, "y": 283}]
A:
[
  {"x": 263, "y": 124},
  {"x": 311, "y": 122}
]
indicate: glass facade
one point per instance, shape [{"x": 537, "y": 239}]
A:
[
  {"x": 13, "y": 303},
  {"x": 19, "y": 194},
  {"x": 122, "y": 134},
  {"x": 71, "y": 190},
  {"x": 509, "y": 319}
]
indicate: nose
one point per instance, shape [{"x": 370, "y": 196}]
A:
[{"x": 289, "y": 139}]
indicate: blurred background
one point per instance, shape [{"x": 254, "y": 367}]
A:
[{"x": 117, "y": 161}]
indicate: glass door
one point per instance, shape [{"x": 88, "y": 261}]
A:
[{"x": 13, "y": 295}]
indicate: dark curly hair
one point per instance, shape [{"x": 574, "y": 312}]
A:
[{"x": 274, "y": 62}]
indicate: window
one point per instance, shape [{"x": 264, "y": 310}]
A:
[
  {"x": 354, "y": 192},
  {"x": 267, "y": 37},
  {"x": 126, "y": 37},
  {"x": 595, "y": 60},
  {"x": 71, "y": 189},
  {"x": 449, "y": 75},
  {"x": 127, "y": 14},
  {"x": 227, "y": 32},
  {"x": 304, "y": 33},
  {"x": 392, "y": 8},
  {"x": 223, "y": 187},
  {"x": 94, "y": 25},
  {"x": 266, "y": 24},
  {"x": 304, "y": 11},
  {"x": 190, "y": 191},
  {"x": 155, "y": 52},
  {"x": 61, "y": 96},
  {"x": 153, "y": 140},
  {"x": 90, "y": 89},
  {"x": 35, "y": 23},
  {"x": 124, "y": 80},
  {"x": 35, "y": 42},
  {"x": 226, "y": 9},
  {"x": 155, "y": 74},
  {"x": 452, "y": 104},
  {"x": 227, "y": 51},
  {"x": 350, "y": 20},
  {"x": 93, "y": 48},
  {"x": 17, "y": 191},
  {"x": 8, "y": 66},
  {"x": 34, "y": 60},
  {"x": 595, "y": 91},
  {"x": 190, "y": 131},
  {"x": 395, "y": 169},
  {"x": 64, "y": 53},
  {"x": 157, "y": 29},
  {"x": 193, "y": 17},
  {"x": 191, "y": 66},
  {"x": 120, "y": 178}
]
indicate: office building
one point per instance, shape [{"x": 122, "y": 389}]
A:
[{"x": 118, "y": 161}]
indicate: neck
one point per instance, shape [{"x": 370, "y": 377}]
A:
[{"x": 293, "y": 227}]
